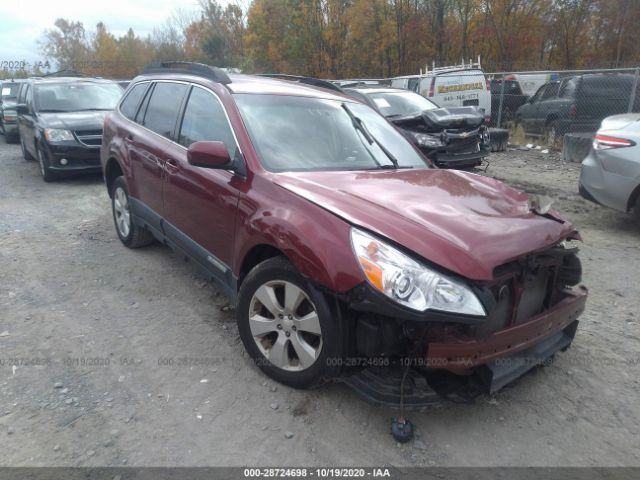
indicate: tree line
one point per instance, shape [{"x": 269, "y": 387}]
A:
[{"x": 364, "y": 38}]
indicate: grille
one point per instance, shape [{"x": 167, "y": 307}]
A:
[{"x": 90, "y": 138}]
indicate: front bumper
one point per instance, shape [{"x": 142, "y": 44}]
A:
[
  {"x": 460, "y": 369},
  {"x": 461, "y": 354},
  {"x": 10, "y": 129},
  {"x": 79, "y": 158},
  {"x": 459, "y": 160}
]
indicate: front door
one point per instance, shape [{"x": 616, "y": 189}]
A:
[{"x": 200, "y": 203}]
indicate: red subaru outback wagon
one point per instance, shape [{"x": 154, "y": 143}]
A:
[{"x": 342, "y": 248}]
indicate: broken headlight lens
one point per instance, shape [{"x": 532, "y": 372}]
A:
[
  {"x": 425, "y": 140},
  {"x": 408, "y": 282}
]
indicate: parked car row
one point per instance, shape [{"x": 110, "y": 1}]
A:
[{"x": 577, "y": 103}]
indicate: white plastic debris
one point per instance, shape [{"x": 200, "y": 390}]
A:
[{"x": 546, "y": 150}]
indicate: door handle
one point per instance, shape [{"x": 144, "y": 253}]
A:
[{"x": 171, "y": 165}]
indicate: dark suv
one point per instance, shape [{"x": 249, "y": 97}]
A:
[
  {"x": 60, "y": 122},
  {"x": 577, "y": 103},
  {"x": 8, "y": 116},
  {"x": 339, "y": 247}
]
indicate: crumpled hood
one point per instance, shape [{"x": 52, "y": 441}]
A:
[
  {"x": 464, "y": 222},
  {"x": 74, "y": 120}
]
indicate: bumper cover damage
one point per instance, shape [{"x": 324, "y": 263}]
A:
[{"x": 461, "y": 368}]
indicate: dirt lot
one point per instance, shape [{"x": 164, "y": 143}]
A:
[{"x": 118, "y": 357}]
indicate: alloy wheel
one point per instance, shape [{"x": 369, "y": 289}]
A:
[
  {"x": 285, "y": 325},
  {"x": 122, "y": 213}
]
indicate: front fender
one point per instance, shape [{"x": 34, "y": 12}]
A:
[{"x": 316, "y": 241}]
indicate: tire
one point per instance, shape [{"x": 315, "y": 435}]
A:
[
  {"x": 636, "y": 209},
  {"x": 129, "y": 233},
  {"x": 552, "y": 135},
  {"x": 276, "y": 281},
  {"x": 47, "y": 175},
  {"x": 25, "y": 153}
]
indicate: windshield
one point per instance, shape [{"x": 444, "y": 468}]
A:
[
  {"x": 396, "y": 104},
  {"x": 304, "y": 134},
  {"x": 10, "y": 90},
  {"x": 73, "y": 97}
]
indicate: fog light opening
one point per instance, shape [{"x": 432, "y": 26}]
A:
[{"x": 64, "y": 161}]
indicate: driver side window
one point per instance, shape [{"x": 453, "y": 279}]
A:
[{"x": 204, "y": 120}]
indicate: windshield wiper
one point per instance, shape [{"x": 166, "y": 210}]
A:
[{"x": 360, "y": 126}]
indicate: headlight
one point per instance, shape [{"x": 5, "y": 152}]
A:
[
  {"x": 56, "y": 135},
  {"x": 427, "y": 140},
  {"x": 408, "y": 282}
]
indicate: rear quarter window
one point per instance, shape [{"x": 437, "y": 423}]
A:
[{"x": 129, "y": 105}]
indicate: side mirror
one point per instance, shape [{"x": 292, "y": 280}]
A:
[
  {"x": 209, "y": 155},
  {"x": 21, "y": 109}
]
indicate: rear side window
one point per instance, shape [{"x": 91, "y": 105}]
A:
[
  {"x": 606, "y": 86},
  {"x": 204, "y": 120},
  {"x": 551, "y": 91},
  {"x": 129, "y": 105},
  {"x": 163, "y": 108},
  {"x": 568, "y": 88}
]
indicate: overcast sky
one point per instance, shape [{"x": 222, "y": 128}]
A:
[{"x": 23, "y": 21}]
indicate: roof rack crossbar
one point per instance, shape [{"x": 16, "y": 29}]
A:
[
  {"x": 200, "y": 69},
  {"x": 314, "y": 82}
]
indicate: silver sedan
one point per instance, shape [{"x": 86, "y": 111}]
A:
[{"x": 610, "y": 174}]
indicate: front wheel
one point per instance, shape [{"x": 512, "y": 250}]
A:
[
  {"x": 25, "y": 153},
  {"x": 47, "y": 174},
  {"x": 287, "y": 326}
]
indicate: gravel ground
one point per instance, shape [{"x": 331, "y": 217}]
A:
[{"x": 116, "y": 357}]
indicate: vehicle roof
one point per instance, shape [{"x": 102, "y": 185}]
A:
[
  {"x": 255, "y": 85},
  {"x": 364, "y": 89},
  {"x": 54, "y": 80}
]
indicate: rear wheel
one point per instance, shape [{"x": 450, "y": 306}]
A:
[
  {"x": 552, "y": 133},
  {"x": 636, "y": 209},
  {"x": 286, "y": 325},
  {"x": 130, "y": 234}
]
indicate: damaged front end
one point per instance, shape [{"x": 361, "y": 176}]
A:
[
  {"x": 532, "y": 307},
  {"x": 453, "y": 137}
]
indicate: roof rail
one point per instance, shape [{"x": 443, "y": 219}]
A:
[
  {"x": 200, "y": 69},
  {"x": 67, "y": 72},
  {"x": 314, "y": 82}
]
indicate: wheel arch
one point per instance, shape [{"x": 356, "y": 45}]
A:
[
  {"x": 633, "y": 198},
  {"x": 112, "y": 170},
  {"x": 256, "y": 255}
]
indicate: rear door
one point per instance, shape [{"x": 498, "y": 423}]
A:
[
  {"x": 527, "y": 113},
  {"x": 200, "y": 203},
  {"x": 147, "y": 143},
  {"x": 547, "y": 107},
  {"x": 601, "y": 95},
  {"x": 463, "y": 88}
]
